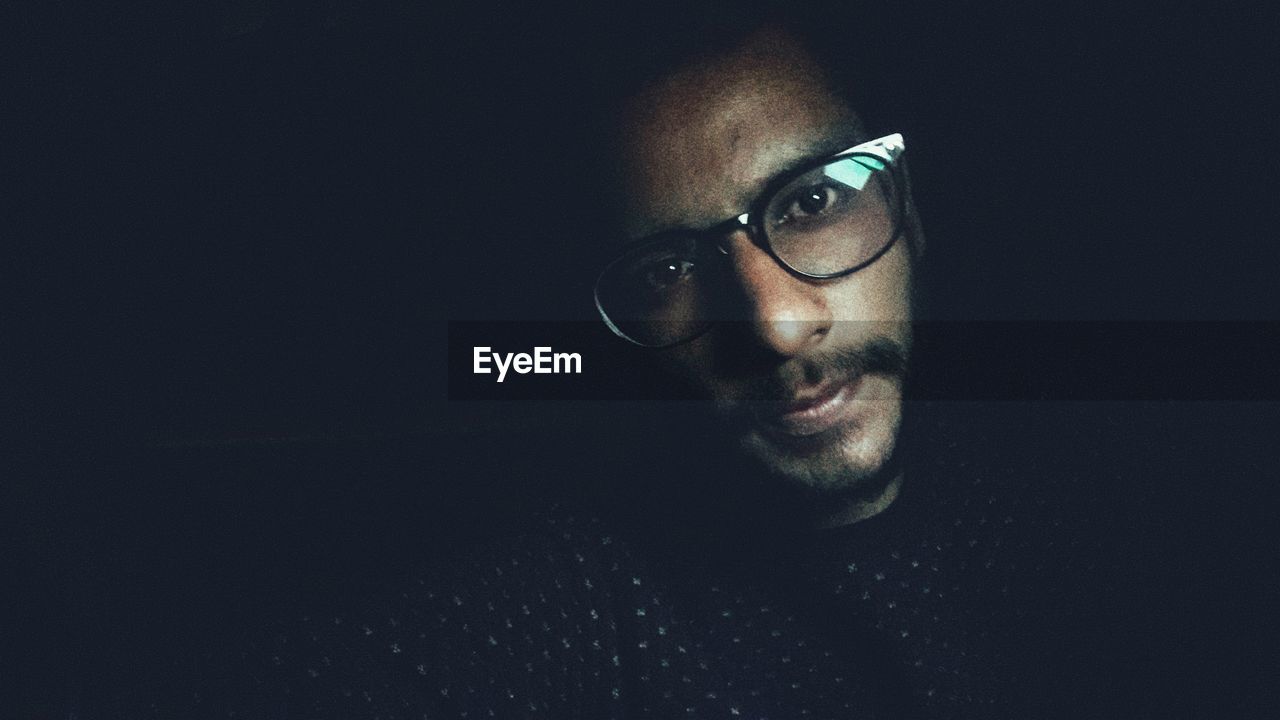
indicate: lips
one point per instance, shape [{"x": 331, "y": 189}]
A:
[{"x": 813, "y": 412}]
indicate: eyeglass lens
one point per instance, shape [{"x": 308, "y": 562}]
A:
[{"x": 828, "y": 221}]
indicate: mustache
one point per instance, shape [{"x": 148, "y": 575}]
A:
[{"x": 880, "y": 355}]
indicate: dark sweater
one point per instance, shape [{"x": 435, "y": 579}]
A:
[{"x": 945, "y": 605}]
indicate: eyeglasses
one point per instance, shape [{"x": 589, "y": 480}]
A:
[{"x": 822, "y": 220}]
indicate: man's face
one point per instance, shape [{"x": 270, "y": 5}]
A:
[{"x": 808, "y": 374}]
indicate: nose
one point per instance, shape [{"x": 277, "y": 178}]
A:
[{"x": 785, "y": 314}]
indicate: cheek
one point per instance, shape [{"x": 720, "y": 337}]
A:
[
  {"x": 880, "y": 292},
  {"x": 691, "y": 362}
]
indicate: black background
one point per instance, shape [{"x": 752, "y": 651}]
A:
[{"x": 239, "y": 230}]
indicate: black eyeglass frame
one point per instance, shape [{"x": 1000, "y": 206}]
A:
[{"x": 885, "y": 149}]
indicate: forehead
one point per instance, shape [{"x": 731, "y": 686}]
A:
[{"x": 697, "y": 147}]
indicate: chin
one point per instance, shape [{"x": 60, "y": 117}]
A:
[{"x": 846, "y": 458}]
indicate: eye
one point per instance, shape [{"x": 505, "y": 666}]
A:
[
  {"x": 661, "y": 274},
  {"x": 811, "y": 201}
]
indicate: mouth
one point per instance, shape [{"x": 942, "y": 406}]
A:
[{"x": 814, "y": 412}]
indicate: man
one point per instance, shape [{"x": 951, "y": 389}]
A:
[
  {"x": 792, "y": 317},
  {"x": 764, "y": 255}
]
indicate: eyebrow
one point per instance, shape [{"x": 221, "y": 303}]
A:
[
  {"x": 834, "y": 140},
  {"x": 829, "y": 142}
]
